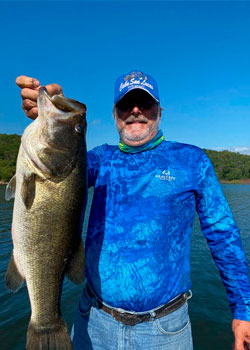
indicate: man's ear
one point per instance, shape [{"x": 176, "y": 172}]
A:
[
  {"x": 160, "y": 112},
  {"x": 114, "y": 111}
]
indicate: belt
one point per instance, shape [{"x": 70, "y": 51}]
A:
[{"x": 131, "y": 319}]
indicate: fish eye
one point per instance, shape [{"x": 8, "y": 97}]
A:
[{"x": 79, "y": 128}]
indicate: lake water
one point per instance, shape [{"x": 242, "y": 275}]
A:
[{"x": 209, "y": 311}]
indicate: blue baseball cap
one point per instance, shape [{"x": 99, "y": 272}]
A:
[{"x": 135, "y": 80}]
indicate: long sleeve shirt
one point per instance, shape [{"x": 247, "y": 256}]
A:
[{"x": 138, "y": 239}]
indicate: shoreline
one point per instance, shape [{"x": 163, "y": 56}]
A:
[
  {"x": 223, "y": 182},
  {"x": 236, "y": 182}
]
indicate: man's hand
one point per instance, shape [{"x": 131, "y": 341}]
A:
[
  {"x": 29, "y": 92},
  {"x": 241, "y": 330}
]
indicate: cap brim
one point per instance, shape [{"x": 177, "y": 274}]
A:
[{"x": 140, "y": 88}]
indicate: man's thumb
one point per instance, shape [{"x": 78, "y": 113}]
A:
[{"x": 238, "y": 345}]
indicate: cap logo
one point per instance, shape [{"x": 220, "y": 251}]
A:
[
  {"x": 135, "y": 78},
  {"x": 134, "y": 75}
]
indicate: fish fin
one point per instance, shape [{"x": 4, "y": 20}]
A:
[
  {"x": 28, "y": 190},
  {"x": 13, "y": 278},
  {"x": 55, "y": 337},
  {"x": 11, "y": 189},
  {"x": 75, "y": 270}
]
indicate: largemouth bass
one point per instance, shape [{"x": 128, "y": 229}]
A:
[{"x": 50, "y": 192}]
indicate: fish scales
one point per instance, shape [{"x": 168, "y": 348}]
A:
[
  {"x": 50, "y": 228},
  {"x": 50, "y": 196}
]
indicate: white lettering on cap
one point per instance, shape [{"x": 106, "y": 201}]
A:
[{"x": 133, "y": 81}]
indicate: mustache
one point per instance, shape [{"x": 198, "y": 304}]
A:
[{"x": 139, "y": 119}]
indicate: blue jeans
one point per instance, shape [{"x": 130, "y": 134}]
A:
[{"x": 94, "y": 329}]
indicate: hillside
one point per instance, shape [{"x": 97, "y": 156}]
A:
[
  {"x": 228, "y": 165},
  {"x": 9, "y": 145}
]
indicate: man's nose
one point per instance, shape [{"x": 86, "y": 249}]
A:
[{"x": 135, "y": 110}]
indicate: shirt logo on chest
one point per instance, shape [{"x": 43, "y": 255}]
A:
[{"x": 165, "y": 176}]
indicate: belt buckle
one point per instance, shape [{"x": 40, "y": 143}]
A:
[
  {"x": 114, "y": 314},
  {"x": 125, "y": 318},
  {"x": 189, "y": 294}
]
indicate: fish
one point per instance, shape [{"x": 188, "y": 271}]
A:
[{"x": 50, "y": 191}]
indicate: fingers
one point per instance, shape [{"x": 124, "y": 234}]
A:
[
  {"x": 241, "y": 330},
  {"x": 30, "y": 108},
  {"x": 238, "y": 345},
  {"x": 30, "y": 97},
  {"x": 241, "y": 344},
  {"x": 54, "y": 89},
  {"x": 29, "y": 105},
  {"x": 31, "y": 113},
  {"x": 29, "y": 92},
  {"x": 32, "y": 94},
  {"x": 26, "y": 82}
]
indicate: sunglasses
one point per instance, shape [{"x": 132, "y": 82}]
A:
[{"x": 127, "y": 104}]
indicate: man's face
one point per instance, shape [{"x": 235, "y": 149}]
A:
[{"x": 137, "y": 116}]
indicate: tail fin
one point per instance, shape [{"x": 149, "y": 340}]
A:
[{"x": 55, "y": 337}]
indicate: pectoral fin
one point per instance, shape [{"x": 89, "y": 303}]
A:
[
  {"x": 10, "y": 189},
  {"x": 13, "y": 278},
  {"x": 76, "y": 268},
  {"x": 28, "y": 190}
]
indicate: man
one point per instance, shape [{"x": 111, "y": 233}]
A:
[{"x": 138, "y": 240}]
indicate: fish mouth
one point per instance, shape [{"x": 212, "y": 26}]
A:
[{"x": 62, "y": 103}]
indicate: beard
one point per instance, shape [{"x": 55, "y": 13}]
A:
[{"x": 135, "y": 134}]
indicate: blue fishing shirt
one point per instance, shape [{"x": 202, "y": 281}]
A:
[{"x": 138, "y": 239}]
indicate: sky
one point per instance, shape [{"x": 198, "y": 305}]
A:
[{"x": 198, "y": 52}]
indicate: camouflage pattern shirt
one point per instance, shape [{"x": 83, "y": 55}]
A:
[{"x": 138, "y": 240}]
